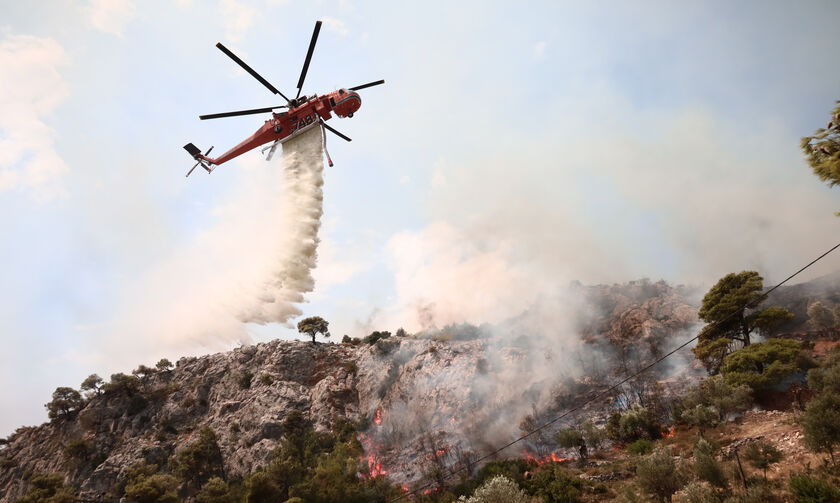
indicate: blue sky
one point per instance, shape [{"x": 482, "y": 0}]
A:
[{"x": 511, "y": 151}]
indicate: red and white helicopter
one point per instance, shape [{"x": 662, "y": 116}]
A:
[{"x": 304, "y": 112}]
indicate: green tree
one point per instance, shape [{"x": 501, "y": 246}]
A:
[
  {"x": 823, "y": 150},
  {"x": 826, "y": 378},
  {"x": 821, "y": 424},
  {"x": 144, "y": 373},
  {"x": 555, "y": 485},
  {"x": 571, "y": 438},
  {"x": 121, "y": 383},
  {"x": 163, "y": 365},
  {"x": 706, "y": 465},
  {"x": 762, "y": 365},
  {"x": 762, "y": 455},
  {"x": 711, "y": 401},
  {"x": 657, "y": 475},
  {"x": 215, "y": 490},
  {"x": 48, "y": 488},
  {"x": 260, "y": 488},
  {"x": 313, "y": 326},
  {"x": 633, "y": 424},
  {"x": 156, "y": 488},
  {"x": 593, "y": 435},
  {"x": 730, "y": 309},
  {"x": 64, "y": 401},
  {"x": 92, "y": 383},
  {"x": 200, "y": 460},
  {"x": 820, "y": 316}
]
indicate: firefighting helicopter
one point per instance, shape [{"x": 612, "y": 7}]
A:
[{"x": 304, "y": 112}]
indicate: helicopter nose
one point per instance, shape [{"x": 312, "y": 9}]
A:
[{"x": 355, "y": 104}]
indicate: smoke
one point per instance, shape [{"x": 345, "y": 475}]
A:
[
  {"x": 300, "y": 216},
  {"x": 252, "y": 265}
]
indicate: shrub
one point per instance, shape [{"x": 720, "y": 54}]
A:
[
  {"x": 757, "y": 494},
  {"x": 640, "y": 447},
  {"x": 346, "y": 339},
  {"x": 244, "y": 380},
  {"x": 375, "y": 336},
  {"x": 699, "y": 493},
  {"x": 570, "y": 439},
  {"x": 351, "y": 367},
  {"x": 77, "y": 449},
  {"x": 657, "y": 475},
  {"x": 807, "y": 489},
  {"x": 499, "y": 489},
  {"x": 121, "y": 383},
  {"x": 593, "y": 435},
  {"x": 481, "y": 366},
  {"x": 633, "y": 424},
  {"x": 826, "y": 378},
  {"x": 48, "y": 488},
  {"x": 554, "y": 484},
  {"x": 820, "y": 316},
  {"x": 215, "y": 490},
  {"x": 706, "y": 465},
  {"x": 761, "y": 455},
  {"x": 266, "y": 379},
  {"x": 260, "y": 488},
  {"x": 156, "y": 488},
  {"x": 821, "y": 424},
  {"x": 384, "y": 347},
  {"x": 711, "y": 401}
]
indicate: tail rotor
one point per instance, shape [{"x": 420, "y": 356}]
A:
[{"x": 196, "y": 153}]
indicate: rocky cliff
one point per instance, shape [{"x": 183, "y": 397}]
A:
[{"x": 434, "y": 398}]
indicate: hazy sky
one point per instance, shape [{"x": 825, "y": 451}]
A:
[{"x": 511, "y": 151}]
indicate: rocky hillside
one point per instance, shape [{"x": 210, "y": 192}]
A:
[{"x": 440, "y": 397}]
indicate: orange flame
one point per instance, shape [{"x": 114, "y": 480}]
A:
[
  {"x": 548, "y": 458},
  {"x": 439, "y": 452},
  {"x": 452, "y": 420},
  {"x": 668, "y": 433},
  {"x": 377, "y": 417},
  {"x": 375, "y": 467}
]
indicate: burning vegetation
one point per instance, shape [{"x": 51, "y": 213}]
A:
[{"x": 436, "y": 418}]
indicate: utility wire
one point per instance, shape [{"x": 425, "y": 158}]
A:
[{"x": 614, "y": 386}]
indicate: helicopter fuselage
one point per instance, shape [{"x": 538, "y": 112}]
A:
[{"x": 282, "y": 126}]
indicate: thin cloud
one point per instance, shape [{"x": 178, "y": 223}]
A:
[
  {"x": 237, "y": 19},
  {"x": 111, "y": 16},
  {"x": 539, "y": 49},
  {"x": 30, "y": 88},
  {"x": 335, "y": 25}
]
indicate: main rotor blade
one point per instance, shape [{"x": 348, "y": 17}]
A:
[
  {"x": 365, "y": 86},
  {"x": 239, "y": 112},
  {"x": 336, "y": 132},
  {"x": 308, "y": 57},
  {"x": 250, "y": 70}
]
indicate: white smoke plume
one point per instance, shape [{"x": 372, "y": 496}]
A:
[
  {"x": 251, "y": 265},
  {"x": 300, "y": 218}
]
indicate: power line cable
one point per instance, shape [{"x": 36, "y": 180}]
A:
[{"x": 614, "y": 386}]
